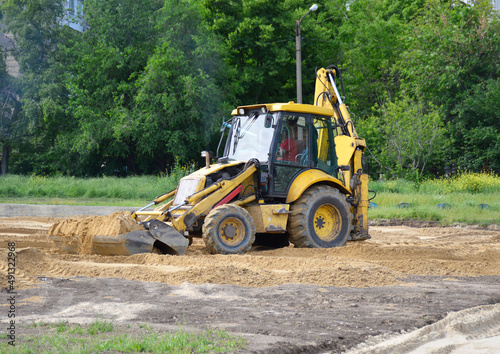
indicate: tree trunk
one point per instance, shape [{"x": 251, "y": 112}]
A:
[{"x": 5, "y": 158}]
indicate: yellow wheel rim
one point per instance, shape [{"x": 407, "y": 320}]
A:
[
  {"x": 327, "y": 222},
  {"x": 232, "y": 231}
]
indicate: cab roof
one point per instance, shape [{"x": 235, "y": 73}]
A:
[{"x": 289, "y": 107}]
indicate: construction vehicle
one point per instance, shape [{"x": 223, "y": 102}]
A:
[{"x": 288, "y": 170}]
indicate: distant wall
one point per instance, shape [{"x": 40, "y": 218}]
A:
[
  {"x": 8, "y": 43},
  {"x": 496, "y": 4}
]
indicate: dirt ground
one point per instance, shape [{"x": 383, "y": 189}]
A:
[{"x": 281, "y": 300}]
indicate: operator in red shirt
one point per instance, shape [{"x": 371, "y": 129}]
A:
[{"x": 288, "y": 149}]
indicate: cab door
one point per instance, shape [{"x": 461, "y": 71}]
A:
[
  {"x": 303, "y": 141},
  {"x": 324, "y": 154},
  {"x": 290, "y": 149}
]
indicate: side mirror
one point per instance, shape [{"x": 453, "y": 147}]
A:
[{"x": 268, "y": 122}]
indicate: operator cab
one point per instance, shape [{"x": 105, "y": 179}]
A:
[{"x": 286, "y": 139}]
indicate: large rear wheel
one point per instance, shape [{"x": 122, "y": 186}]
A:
[
  {"x": 228, "y": 229},
  {"x": 320, "y": 218}
]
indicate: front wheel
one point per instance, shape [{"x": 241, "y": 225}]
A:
[
  {"x": 228, "y": 229},
  {"x": 320, "y": 218}
]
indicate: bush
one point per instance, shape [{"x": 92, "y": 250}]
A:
[{"x": 465, "y": 182}]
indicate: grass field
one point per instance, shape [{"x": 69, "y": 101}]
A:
[
  {"x": 103, "y": 336},
  {"x": 468, "y": 198},
  {"x": 104, "y": 191}
]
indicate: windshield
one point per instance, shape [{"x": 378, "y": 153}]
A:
[{"x": 249, "y": 137}]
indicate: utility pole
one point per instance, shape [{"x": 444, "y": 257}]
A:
[{"x": 298, "y": 45}]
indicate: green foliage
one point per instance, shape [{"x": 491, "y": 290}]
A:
[
  {"x": 132, "y": 188},
  {"x": 180, "y": 93},
  {"x": 150, "y": 80},
  {"x": 464, "y": 182},
  {"x": 406, "y": 136},
  {"x": 9, "y": 111},
  {"x": 97, "y": 337},
  {"x": 133, "y": 91},
  {"x": 370, "y": 38},
  {"x": 449, "y": 49},
  {"x": 441, "y": 55},
  {"x": 478, "y": 133},
  {"x": 260, "y": 37},
  {"x": 99, "y": 326},
  {"x": 37, "y": 28},
  {"x": 104, "y": 64},
  {"x": 451, "y": 59}
]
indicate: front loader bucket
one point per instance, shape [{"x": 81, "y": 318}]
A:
[
  {"x": 167, "y": 239},
  {"x": 126, "y": 244},
  {"x": 66, "y": 244},
  {"x": 161, "y": 238}
]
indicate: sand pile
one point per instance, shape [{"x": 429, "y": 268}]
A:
[
  {"x": 84, "y": 229},
  {"x": 110, "y": 225}
]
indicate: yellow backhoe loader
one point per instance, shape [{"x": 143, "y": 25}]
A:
[{"x": 288, "y": 170}]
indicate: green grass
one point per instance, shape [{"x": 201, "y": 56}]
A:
[
  {"x": 462, "y": 193},
  {"x": 79, "y": 201},
  {"x": 466, "y": 182},
  {"x": 130, "y": 191},
  {"x": 461, "y": 207},
  {"x": 104, "y": 336}
]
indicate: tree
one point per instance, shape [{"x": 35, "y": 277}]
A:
[
  {"x": 478, "y": 132},
  {"x": 406, "y": 136},
  {"x": 370, "y": 38},
  {"x": 451, "y": 59},
  {"x": 37, "y": 28},
  {"x": 102, "y": 66},
  {"x": 260, "y": 38},
  {"x": 9, "y": 109},
  {"x": 146, "y": 85},
  {"x": 183, "y": 88},
  {"x": 150, "y": 80}
]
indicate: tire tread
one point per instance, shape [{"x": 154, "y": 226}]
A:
[
  {"x": 298, "y": 216},
  {"x": 214, "y": 217}
]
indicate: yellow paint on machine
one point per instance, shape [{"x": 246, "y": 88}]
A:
[
  {"x": 269, "y": 218},
  {"x": 307, "y": 179}
]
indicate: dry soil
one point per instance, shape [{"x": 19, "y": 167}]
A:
[{"x": 281, "y": 300}]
